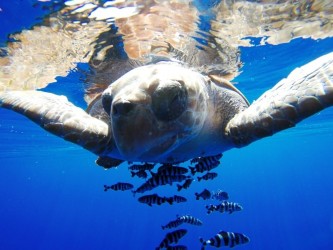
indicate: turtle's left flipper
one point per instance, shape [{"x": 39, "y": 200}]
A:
[
  {"x": 58, "y": 116},
  {"x": 304, "y": 92}
]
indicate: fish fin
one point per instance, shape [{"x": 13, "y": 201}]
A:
[
  {"x": 179, "y": 187},
  {"x": 203, "y": 242},
  {"x": 192, "y": 170}
]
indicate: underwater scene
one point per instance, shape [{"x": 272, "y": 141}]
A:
[{"x": 166, "y": 124}]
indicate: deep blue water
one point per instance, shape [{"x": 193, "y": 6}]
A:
[{"x": 51, "y": 191}]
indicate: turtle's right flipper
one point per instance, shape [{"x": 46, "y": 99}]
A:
[
  {"x": 306, "y": 91},
  {"x": 58, "y": 116}
]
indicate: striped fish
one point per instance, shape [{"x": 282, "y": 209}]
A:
[
  {"x": 205, "y": 164},
  {"x": 205, "y": 194},
  {"x": 173, "y": 224},
  {"x": 185, "y": 185},
  {"x": 159, "y": 180},
  {"x": 168, "y": 169},
  {"x": 208, "y": 176},
  {"x": 227, "y": 239},
  {"x": 144, "y": 167},
  {"x": 190, "y": 220},
  {"x": 172, "y": 237},
  {"x": 119, "y": 186},
  {"x": 225, "y": 206},
  {"x": 214, "y": 158},
  {"x": 177, "y": 199},
  {"x": 153, "y": 199},
  {"x": 143, "y": 188},
  {"x": 183, "y": 219}
]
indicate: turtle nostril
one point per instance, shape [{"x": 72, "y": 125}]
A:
[{"x": 122, "y": 108}]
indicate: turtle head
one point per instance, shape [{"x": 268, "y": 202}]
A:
[{"x": 154, "y": 109}]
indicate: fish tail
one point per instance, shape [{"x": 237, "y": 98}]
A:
[
  {"x": 202, "y": 241},
  {"x": 197, "y": 196},
  {"x": 106, "y": 188},
  {"x": 132, "y": 173},
  {"x": 192, "y": 170},
  {"x": 199, "y": 178},
  {"x": 179, "y": 187}
]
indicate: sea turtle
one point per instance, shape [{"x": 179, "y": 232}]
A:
[{"x": 166, "y": 112}]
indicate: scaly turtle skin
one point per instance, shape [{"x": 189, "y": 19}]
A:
[{"x": 167, "y": 113}]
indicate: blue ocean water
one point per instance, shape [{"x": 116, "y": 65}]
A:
[{"x": 52, "y": 191}]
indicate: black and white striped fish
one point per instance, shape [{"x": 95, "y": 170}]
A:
[
  {"x": 153, "y": 199},
  {"x": 190, "y": 220},
  {"x": 143, "y": 188},
  {"x": 225, "y": 239},
  {"x": 172, "y": 237},
  {"x": 177, "y": 199},
  {"x": 225, "y": 206},
  {"x": 205, "y": 195},
  {"x": 205, "y": 163},
  {"x": 173, "y": 224},
  {"x": 140, "y": 174},
  {"x": 185, "y": 185},
  {"x": 208, "y": 176},
  {"x": 214, "y": 158},
  {"x": 183, "y": 219},
  {"x": 144, "y": 167},
  {"x": 220, "y": 195},
  {"x": 119, "y": 186},
  {"x": 168, "y": 169},
  {"x": 159, "y": 180}
]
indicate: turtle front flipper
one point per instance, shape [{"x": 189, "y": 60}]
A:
[
  {"x": 304, "y": 92},
  {"x": 60, "y": 117}
]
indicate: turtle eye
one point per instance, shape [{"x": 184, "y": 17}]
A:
[
  {"x": 107, "y": 101},
  {"x": 169, "y": 100}
]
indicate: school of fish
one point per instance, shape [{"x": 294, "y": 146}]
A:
[{"x": 167, "y": 174}]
